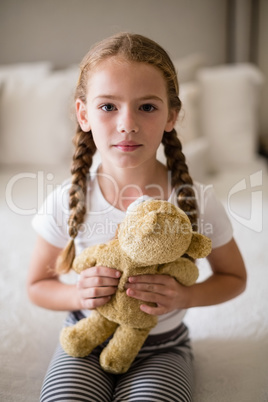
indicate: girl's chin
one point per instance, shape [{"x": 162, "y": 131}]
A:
[
  {"x": 124, "y": 164},
  {"x": 128, "y": 160}
]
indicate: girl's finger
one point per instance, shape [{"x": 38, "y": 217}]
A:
[
  {"x": 146, "y": 296},
  {"x": 160, "y": 279},
  {"x": 91, "y": 304},
  {"x": 147, "y": 287},
  {"x": 158, "y": 310},
  {"x": 99, "y": 281},
  {"x": 100, "y": 271},
  {"x": 98, "y": 292}
]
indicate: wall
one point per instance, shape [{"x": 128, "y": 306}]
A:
[
  {"x": 244, "y": 38},
  {"x": 262, "y": 53},
  {"x": 63, "y": 30}
]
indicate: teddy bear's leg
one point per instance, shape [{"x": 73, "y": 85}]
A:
[
  {"x": 122, "y": 349},
  {"x": 80, "y": 339}
]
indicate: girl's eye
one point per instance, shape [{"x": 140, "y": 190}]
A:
[
  {"x": 148, "y": 107},
  {"x": 108, "y": 107}
]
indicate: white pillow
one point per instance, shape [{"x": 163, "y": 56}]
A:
[
  {"x": 36, "y": 118},
  {"x": 229, "y": 101},
  {"x": 27, "y": 71},
  {"x": 196, "y": 153},
  {"x": 187, "y": 123},
  {"x": 188, "y": 66}
]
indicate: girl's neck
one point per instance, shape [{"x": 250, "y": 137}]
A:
[{"x": 120, "y": 187}]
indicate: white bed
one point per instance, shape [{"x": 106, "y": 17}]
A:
[{"x": 230, "y": 341}]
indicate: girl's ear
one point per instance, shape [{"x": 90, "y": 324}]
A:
[
  {"x": 173, "y": 115},
  {"x": 82, "y": 116}
]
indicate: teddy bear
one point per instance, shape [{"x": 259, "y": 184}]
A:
[{"x": 155, "y": 237}]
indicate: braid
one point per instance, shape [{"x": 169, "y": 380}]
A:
[
  {"x": 82, "y": 161},
  {"x": 180, "y": 177}
]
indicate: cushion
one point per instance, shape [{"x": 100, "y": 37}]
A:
[
  {"x": 26, "y": 71},
  {"x": 187, "y": 123},
  {"x": 187, "y": 129},
  {"x": 36, "y": 117},
  {"x": 229, "y": 102},
  {"x": 188, "y": 66}
]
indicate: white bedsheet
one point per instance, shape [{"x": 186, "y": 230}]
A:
[{"x": 230, "y": 341}]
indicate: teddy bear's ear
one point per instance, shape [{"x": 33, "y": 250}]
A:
[{"x": 199, "y": 247}]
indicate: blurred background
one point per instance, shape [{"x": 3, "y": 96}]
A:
[{"x": 219, "y": 48}]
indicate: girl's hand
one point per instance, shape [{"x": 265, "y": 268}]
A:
[
  {"x": 96, "y": 285},
  {"x": 163, "y": 290}
]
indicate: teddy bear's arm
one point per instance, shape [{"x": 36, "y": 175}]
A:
[
  {"x": 183, "y": 270},
  {"x": 85, "y": 260},
  {"x": 102, "y": 254}
]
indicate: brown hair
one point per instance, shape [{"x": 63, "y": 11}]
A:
[{"x": 131, "y": 47}]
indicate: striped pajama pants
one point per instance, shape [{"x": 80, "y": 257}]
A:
[{"x": 162, "y": 372}]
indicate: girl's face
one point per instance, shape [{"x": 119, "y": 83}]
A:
[{"x": 127, "y": 112}]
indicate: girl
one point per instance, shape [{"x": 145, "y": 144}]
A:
[{"x": 127, "y": 104}]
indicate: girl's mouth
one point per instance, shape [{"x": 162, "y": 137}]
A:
[{"x": 127, "y": 146}]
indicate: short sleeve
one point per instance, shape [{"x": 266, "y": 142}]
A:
[
  {"x": 51, "y": 221},
  {"x": 213, "y": 220}
]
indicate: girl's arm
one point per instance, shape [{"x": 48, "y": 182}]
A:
[
  {"x": 227, "y": 281},
  {"x": 45, "y": 289}
]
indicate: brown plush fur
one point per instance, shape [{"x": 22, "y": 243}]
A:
[{"x": 151, "y": 240}]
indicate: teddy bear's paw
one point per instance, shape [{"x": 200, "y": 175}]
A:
[
  {"x": 113, "y": 364},
  {"x": 122, "y": 349},
  {"x": 74, "y": 344}
]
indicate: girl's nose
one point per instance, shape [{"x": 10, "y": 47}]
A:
[{"x": 127, "y": 123}]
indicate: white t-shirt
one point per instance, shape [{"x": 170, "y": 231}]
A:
[{"x": 51, "y": 223}]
